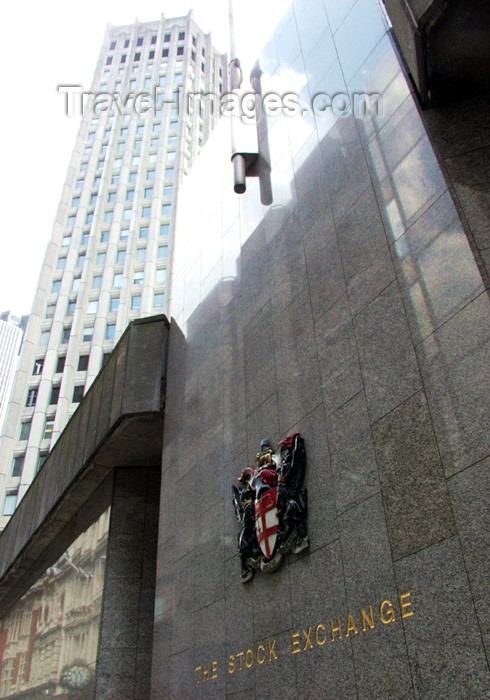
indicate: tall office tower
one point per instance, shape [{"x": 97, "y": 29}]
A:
[
  {"x": 11, "y": 331},
  {"x": 108, "y": 259}
]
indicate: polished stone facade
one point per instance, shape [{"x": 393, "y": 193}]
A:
[{"x": 352, "y": 310}]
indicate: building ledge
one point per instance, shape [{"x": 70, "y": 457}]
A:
[{"x": 118, "y": 423}]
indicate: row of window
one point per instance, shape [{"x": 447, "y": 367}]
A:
[
  {"x": 60, "y": 366},
  {"x": 158, "y": 301},
  {"x": 55, "y": 395},
  {"x": 111, "y": 197},
  {"x": 153, "y": 40}
]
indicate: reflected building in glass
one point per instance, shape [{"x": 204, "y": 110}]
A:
[{"x": 352, "y": 309}]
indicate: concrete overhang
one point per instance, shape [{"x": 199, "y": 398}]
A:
[
  {"x": 118, "y": 423},
  {"x": 445, "y": 44}
]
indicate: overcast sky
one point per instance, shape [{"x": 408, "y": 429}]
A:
[{"x": 54, "y": 42}]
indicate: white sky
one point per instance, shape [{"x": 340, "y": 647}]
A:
[{"x": 47, "y": 43}]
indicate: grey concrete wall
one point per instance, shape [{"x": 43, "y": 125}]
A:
[
  {"x": 123, "y": 668},
  {"x": 118, "y": 423},
  {"x": 352, "y": 311}
]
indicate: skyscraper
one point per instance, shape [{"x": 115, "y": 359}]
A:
[
  {"x": 108, "y": 259},
  {"x": 11, "y": 331}
]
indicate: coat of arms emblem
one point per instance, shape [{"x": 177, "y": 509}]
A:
[{"x": 271, "y": 507}]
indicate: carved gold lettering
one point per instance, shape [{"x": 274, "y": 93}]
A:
[
  {"x": 405, "y": 604},
  {"x": 334, "y": 629},
  {"x": 295, "y": 646},
  {"x": 306, "y": 635},
  {"x": 260, "y": 648},
  {"x": 320, "y": 640},
  {"x": 206, "y": 672},
  {"x": 214, "y": 669},
  {"x": 351, "y": 626},
  {"x": 239, "y": 656},
  {"x": 271, "y": 650},
  {"x": 249, "y": 658},
  {"x": 390, "y": 613},
  {"x": 367, "y": 618},
  {"x": 198, "y": 674},
  {"x": 231, "y": 664}
]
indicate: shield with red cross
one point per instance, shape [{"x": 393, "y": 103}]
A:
[{"x": 266, "y": 521}]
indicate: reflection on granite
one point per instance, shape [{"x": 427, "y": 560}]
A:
[
  {"x": 312, "y": 328},
  {"x": 436, "y": 267},
  {"x": 451, "y": 361}
]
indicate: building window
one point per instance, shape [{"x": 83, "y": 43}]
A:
[
  {"x": 110, "y": 331},
  {"x": 10, "y": 502},
  {"x": 124, "y": 234},
  {"x": 130, "y": 195},
  {"x": 92, "y": 307},
  {"x": 180, "y": 50},
  {"x": 76, "y": 284},
  {"x": 123, "y": 58},
  {"x": 87, "y": 334},
  {"x": 38, "y": 366},
  {"x": 166, "y": 38},
  {"x": 166, "y": 209},
  {"x": 55, "y": 395},
  {"x": 77, "y": 394},
  {"x": 108, "y": 61},
  {"x": 48, "y": 429},
  {"x": 139, "y": 41},
  {"x": 148, "y": 192},
  {"x": 132, "y": 176},
  {"x": 138, "y": 277},
  {"x": 143, "y": 232},
  {"x": 160, "y": 276},
  {"x": 115, "y": 178},
  {"x": 114, "y": 304},
  {"x": 145, "y": 212},
  {"x": 164, "y": 53},
  {"x": 97, "y": 279},
  {"x": 162, "y": 251},
  {"x": 60, "y": 366},
  {"x": 65, "y": 334},
  {"x": 42, "y": 458},
  {"x": 71, "y": 308},
  {"x": 66, "y": 241},
  {"x": 18, "y": 465},
  {"x": 111, "y": 197},
  {"x": 169, "y": 172},
  {"x": 121, "y": 254},
  {"x": 81, "y": 259},
  {"x": 31, "y": 398},
  {"x": 25, "y": 429},
  {"x": 158, "y": 300},
  {"x": 100, "y": 259},
  {"x": 44, "y": 338},
  {"x": 112, "y": 46},
  {"x": 153, "y": 39},
  {"x": 141, "y": 254},
  {"x": 89, "y": 218},
  {"x": 108, "y": 216},
  {"x": 118, "y": 278},
  {"x": 181, "y": 36},
  {"x": 137, "y": 56},
  {"x": 104, "y": 236},
  {"x": 167, "y": 190},
  {"x": 151, "y": 54},
  {"x": 126, "y": 43},
  {"x": 150, "y": 174},
  {"x": 136, "y": 302}
]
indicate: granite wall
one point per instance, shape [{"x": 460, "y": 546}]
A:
[{"x": 351, "y": 310}]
